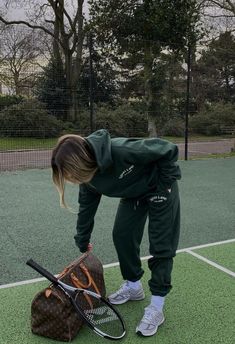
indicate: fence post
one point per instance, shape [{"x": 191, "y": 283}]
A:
[
  {"x": 187, "y": 100},
  {"x": 91, "y": 83}
]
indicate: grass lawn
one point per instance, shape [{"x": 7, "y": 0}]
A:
[
  {"x": 12, "y": 143},
  {"x": 198, "y": 138}
]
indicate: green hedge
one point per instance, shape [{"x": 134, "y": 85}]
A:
[
  {"x": 213, "y": 119},
  {"x": 8, "y": 100},
  {"x": 174, "y": 127},
  {"x": 29, "y": 119},
  {"x": 125, "y": 120}
]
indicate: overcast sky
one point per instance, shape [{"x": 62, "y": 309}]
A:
[{"x": 17, "y": 12}]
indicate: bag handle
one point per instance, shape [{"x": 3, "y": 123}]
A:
[
  {"x": 77, "y": 281},
  {"x": 71, "y": 265},
  {"x": 79, "y": 284},
  {"x": 64, "y": 272}
]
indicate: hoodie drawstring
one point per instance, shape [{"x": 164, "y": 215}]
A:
[{"x": 136, "y": 204}]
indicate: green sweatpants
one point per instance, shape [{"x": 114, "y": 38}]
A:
[{"x": 163, "y": 211}]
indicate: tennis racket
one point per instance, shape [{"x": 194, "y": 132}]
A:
[{"x": 95, "y": 310}]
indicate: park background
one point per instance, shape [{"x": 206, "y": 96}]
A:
[{"x": 139, "y": 69}]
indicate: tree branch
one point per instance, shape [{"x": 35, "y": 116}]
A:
[
  {"x": 17, "y": 22},
  {"x": 38, "y": 27},
  {"x": 68, "y": 17},
  {"x": 219, "y": 16},
  {"x": 208, "y": 41},
  {"x": 232, "y": 5},
  {"x": 222, "y": 5},
  {"x": 50, "y": 21}
]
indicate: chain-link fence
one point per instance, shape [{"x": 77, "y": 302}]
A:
[{"x": 184, "y": 95}]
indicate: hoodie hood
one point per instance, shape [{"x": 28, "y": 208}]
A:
[{"x": 101, "y": 143}]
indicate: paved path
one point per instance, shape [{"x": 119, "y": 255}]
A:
[
  {"x": 17, "y": 160},
  {"x": 205, "y": 148}
]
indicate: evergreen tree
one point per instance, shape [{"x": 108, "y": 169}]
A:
[
  {"x": 102, "y": 78},
  {"x": 52, "y": 91},
  {"x": 214, "y": 72},
  {"x": 138, "y": 31}
]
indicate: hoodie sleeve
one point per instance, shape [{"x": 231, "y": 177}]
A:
[
  {"x": 161, "y": 152},
  {"x": 88, "y": 201}
]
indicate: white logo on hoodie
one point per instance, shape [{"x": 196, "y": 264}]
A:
[
  {"x": 126, "y": 171},
  {"x": 158, "y": 199}
]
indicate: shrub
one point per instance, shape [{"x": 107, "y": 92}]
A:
[
  {"x": 213, "y": 119},
  {"x": 29, "y": 119},
  {"x": 174, "y": 127},
  {"x": 8, "y": 100},
  {"x": 125, "y": 120}
]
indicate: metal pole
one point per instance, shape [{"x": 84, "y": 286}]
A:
[
  {"x": 187, "y": 101},
  {"x": 91, "y": 86}
]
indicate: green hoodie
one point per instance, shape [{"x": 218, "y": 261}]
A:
[{"x": 127, "y": 168}]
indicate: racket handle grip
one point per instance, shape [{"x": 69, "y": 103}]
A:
[{"x": 42, "y": 271}]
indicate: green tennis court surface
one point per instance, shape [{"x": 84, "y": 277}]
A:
[
  {"x": 201, "y": 307},
  {"x": 200, "y": 310}
]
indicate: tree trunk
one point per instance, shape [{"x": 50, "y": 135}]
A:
[
  {"x": 152, "y": 127},
  {"x": 228, "y": 87},
  {"x": 17, "y": 84},
  {"x": 69, "y": 86},
  {"x": 149, "y": 96},
  {"x": 77, "y": 62},
  {"x": 74, "y": 104},
  {"x": 56, "y": 46},
  {"x": 73, "y": 63}
]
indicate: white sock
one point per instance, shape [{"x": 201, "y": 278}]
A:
[
  {"x": 135, "y": 285},
  {"x": 158, "y": 302}
]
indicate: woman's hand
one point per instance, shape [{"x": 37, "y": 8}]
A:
[{"x": 89, "y": 247}]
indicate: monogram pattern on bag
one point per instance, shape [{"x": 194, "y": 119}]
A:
[{"x": 52, "y": 314}]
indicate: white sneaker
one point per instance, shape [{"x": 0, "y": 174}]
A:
[
  {"x": 152, "y": 318},
  {"x": 125, "y": 293}
]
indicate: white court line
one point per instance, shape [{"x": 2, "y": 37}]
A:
[
  {"x": 105, "y": 266},
  {"x": 198, "y": 247},
  {"x": 210, "y": 262},
  {"x": 207, "y": 245},
  {"x": 16, "y": 284}
]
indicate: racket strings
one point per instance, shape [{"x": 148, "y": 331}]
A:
[{"x": 100, "y": 315}]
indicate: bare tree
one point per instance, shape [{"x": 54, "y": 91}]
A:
[
  {"x": 227, "y": 5},
  {"x": 64, "y": 24},
  {"x": 217, "y": 9},
  {"x": 217, "y": 16},
  {"x": 18, "y": 59}
]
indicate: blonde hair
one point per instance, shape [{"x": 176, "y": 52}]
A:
[{"x": 72, "y": 160}]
